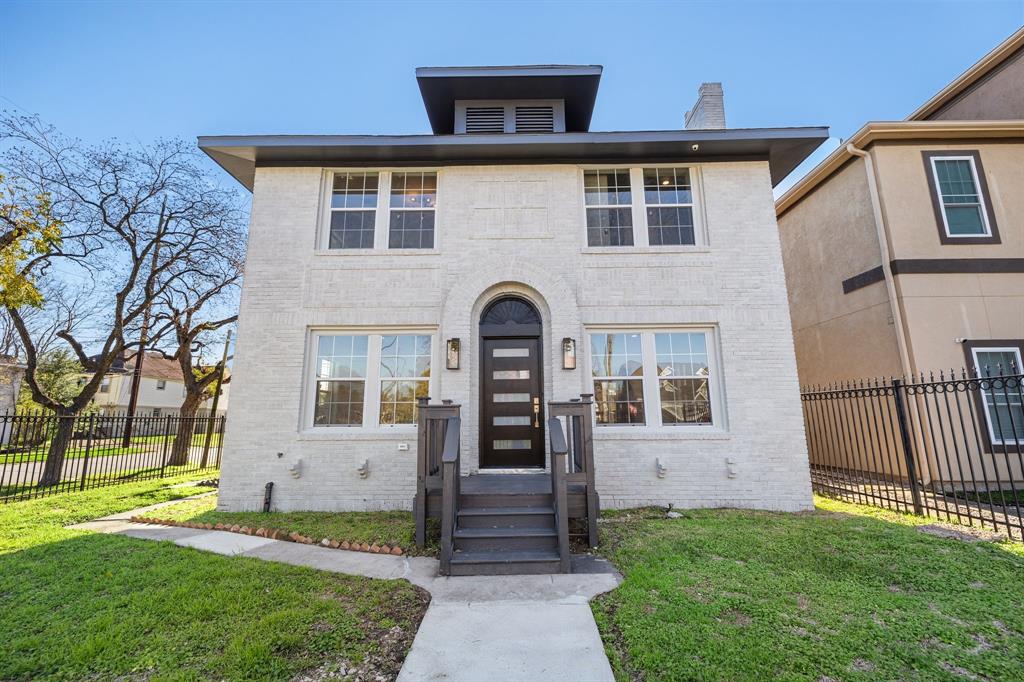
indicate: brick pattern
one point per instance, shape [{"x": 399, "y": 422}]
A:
[{"x": 759, "y": 460}]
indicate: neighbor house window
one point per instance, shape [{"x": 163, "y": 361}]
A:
[
  {"x": 669, "y": 372},
  {"x": 668, "y": 202},
  {"x": 404, "y": 376},
  {"x": 105, "y": 385},
  {"x": 608, "y": 200},
  {"x": 616, "y": 363},
  {"x": 960, "y": 197},
  {"x": 1004, "y": 413},
  {"x": 413, "y": 206},
  {"x": 353, "y": 211},
  {"x": 161, "y": 385},
  {"x": 340, "y": 372},
  {"x": 369, "y": 379}
]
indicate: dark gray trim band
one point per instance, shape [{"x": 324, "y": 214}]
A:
[{"x": 868, "y": 277}]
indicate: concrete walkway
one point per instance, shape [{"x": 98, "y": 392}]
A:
[{"x": 509, "y": 628}]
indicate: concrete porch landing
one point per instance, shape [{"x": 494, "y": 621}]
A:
[{"x": 526, "y": 628}]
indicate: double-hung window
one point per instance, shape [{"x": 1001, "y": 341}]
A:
[
  {"x": 1002, "y": 399},
  {"x": 369, "y": 379},
  {"x": 665, "y": 215},
  {"x": 359, "y": 219},
  {"x": 653, "y": 378},
  {"x": 959, "y": 197}
]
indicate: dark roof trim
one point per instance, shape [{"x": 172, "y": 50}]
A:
[
  {"x": 783, "y": 148},
  {"x": 441, "y": 86}
]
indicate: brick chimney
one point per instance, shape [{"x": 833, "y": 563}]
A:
[{"x": 709, "y": 111}]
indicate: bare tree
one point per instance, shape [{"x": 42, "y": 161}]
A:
[{"x": 136, "y": 220}]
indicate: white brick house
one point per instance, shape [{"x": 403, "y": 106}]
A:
[{"x": 654, "y": 254}]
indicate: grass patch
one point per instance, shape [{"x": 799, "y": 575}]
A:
[
  {"x": 385, "y": 528},
  {"x": 843, "y": 593},
  {"x": 77, "y": 605}
]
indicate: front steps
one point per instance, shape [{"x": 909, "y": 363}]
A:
[{"x": 505, "y": 533}]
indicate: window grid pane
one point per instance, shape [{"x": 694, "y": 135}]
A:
[
  {"x": 353, "y": 211},
  {"x": 608, "y": 198},
  {"x": 618, "y": 401},
  {"x": 1004, "y": 408},
  {"x": 668, "y": 195},
  {"x": 413, "y": 203},
  {"x": 683, "y": 400},
  {"x": 405, "y": 376},
  {"x": 961, "y": 202}
]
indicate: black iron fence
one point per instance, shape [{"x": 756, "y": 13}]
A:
[
  {"x": 951, "y": 446},
  {"x": 45, "y": 454}
]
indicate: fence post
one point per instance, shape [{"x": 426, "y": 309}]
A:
[
  {"x": 88, "y": 447},
  {"x": 908, "y": 456},
  {"x": 163, "y": 448}
]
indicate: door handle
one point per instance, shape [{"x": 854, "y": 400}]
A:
[{"x": 536, "y": 413}]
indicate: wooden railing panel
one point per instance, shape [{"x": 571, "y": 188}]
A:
[
  {"x": 559, "y": 453},
  {"x": 579, "y": 417},
  {"x": 431, "y": 431},
  {"x": 450, "y": 491}
]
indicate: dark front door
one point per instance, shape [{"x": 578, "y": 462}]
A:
[{"x": 511, "y": 409}]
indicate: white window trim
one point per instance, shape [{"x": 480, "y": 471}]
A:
[
  {"x": 638, "y": 203},
  {"x": 977, "y": 188},
  {"x": 371, "y": 396},
  {"x": 654, "y": 425},
  {"x": 988, "y": 417},
  {"x": 382, "y": 221}
]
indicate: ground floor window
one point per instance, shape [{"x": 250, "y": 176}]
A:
[
  {"x": 369, "y": 379},
  {"x": 1000, "y": 364},
  {"x": 652, "y": 378}
]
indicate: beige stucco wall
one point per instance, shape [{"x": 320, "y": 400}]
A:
[
  {"x": 998, "y": 97},
  {"x": 516, "y": 229},
  {"x": 828, "y": 237}
]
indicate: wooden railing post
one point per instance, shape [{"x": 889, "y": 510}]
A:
[
  {"x": 586, "y": 399},
  {"x": 559, "y": 453},
  {"x": 420, "y": 499},
  {"x": 449, "y": 491}
]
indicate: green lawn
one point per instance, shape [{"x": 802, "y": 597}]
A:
[
  {"x": 76, "y": 605},
  {"x": 843, "y": 593},
  {"x": 102, "y": 447},
  {"x": 385, "y": 528}
]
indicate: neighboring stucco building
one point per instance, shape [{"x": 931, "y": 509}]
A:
[
  {"x": 904, "y": 249},
  {"x": 384, "y": 268},
  {"x": 161, "y": 388}
]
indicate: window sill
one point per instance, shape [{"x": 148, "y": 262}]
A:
[
  {"x": 643, "y": 250},
  {"x": 660, "y": 433},
  {"x": 377, "y": 252},
  {"x": 358, "y": 433}
]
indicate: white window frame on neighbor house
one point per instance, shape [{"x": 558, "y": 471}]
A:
[
  {"x": 638, "y": 204},
  {"x": 372, "y": 387},
  {"x": 978, "y": 189},
  {"x": 382, "y": 213},
  {"x": 1016, "y": 352},
  {"x": 651, "y": 381},
  {"x": 161, "y": 384}
]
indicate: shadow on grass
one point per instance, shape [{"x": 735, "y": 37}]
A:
[
  {"x": 841, "y": 593},
  {"x": 108, "y": 606}
]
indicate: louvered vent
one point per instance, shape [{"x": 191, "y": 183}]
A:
[
  {"x": 535, "y": 119},
  {"x": 485, "y": 119}
]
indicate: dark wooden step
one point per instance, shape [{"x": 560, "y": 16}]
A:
[
  {"x": 478, "y": 500},
  {"x": 504, "y": 562},
  {"x": 471, "y": 539},
  {"x": 506, "y": 517}
]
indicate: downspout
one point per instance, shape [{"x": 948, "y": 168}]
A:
[{"x": 895, "y": 306}]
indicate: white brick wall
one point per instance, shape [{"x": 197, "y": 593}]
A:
[{"x": 517, "y": 229}]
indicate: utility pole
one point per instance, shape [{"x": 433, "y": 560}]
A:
[
  {"x": 216, "y": 397},
  {"x": 133, "y": 397}
]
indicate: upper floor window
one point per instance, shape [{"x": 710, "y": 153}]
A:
[
  {"x": 161, "y": 384},
  {"x": 105, "y": 385},
  {"x": 357, "y": 215},
  {"x": 666, "y": 215},
  {"x": 960, "y": 198},
  {"x": 1001, "y": 400}
]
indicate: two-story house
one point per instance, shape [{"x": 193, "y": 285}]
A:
[
  {"x": 161, "y": 388},
  {"x": 904, "y": 249},
  {"x": 510, "y": 259}
]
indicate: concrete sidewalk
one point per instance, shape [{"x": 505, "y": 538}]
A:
[{"x": 508, "y": 628}]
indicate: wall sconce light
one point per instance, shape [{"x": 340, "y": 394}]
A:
[
  {"x": 452, "y": 356},
  {"x": 568, "y": 353}
]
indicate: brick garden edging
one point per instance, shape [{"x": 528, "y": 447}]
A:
[{"x": 275, "y": 534}]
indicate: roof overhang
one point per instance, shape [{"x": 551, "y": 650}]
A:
[
  {"x": 441, "y": 86},
  {"x": 783, "y": 148},
  {"x": 906, "y": 131},
  {"x": 965, "y": 81}
]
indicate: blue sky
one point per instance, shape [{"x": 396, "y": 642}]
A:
[{"x": 145, "y": 70}]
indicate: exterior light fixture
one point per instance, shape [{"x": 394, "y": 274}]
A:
[
  {"x": 452, "y": 356},
  {"x": 568, "y": 353}
]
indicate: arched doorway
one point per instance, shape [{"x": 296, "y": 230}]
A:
[{"x": 511, "y": 385}]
